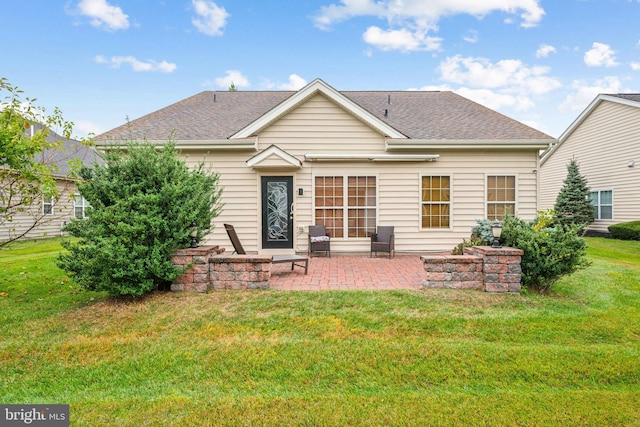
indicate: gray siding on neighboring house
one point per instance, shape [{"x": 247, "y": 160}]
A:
[
  {"x": 604, "y": 142},
  {"x": 50, "y": 225}
]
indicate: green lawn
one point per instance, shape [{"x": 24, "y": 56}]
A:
[{"x": 423, "y": 358}]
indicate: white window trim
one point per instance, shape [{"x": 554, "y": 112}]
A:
[
  {"x": 599, "y": 205},
  {"x": 420, "y": 203},
  {"x": 345, "y": 192},
  {"x": 83, "y": 206},
  {"x": 486, "y": 192},
  {"x": 50, "y": 202}
]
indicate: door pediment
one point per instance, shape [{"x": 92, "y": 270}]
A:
[{"x": 274, "y": 158}]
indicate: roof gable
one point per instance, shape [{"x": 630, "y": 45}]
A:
[
  {"x": 313, "y": 88},
  {"x": 630, "y": 99}
]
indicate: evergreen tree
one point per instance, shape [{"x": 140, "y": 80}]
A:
[
  {"x": 142, "y": 203},
  {"x": 573, "y": 206}
]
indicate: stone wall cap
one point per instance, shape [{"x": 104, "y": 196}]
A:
[
  {"x": 218, "y": 259},
  {"x": 200, "y": 250},
  {"x": 488, "y": 250},
  {"x": 456, "y": 259}
]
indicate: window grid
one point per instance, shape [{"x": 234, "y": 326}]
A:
[
  {"x": 501, "y": 196},
  {"x": 79, "y": 205},
  {"x": 349, "y": 203},
  {"x": 436, "y": 202},
  {"x": 602, "y": 201}
]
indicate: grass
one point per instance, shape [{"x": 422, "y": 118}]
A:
[{"x": 432, "y": 357}]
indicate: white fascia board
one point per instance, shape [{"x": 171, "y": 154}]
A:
[
  {"x": 250, "y": 144},
  {"x": 372, "y": 157},
  {"x": 443, "y": 144},
  {"x": 274, "y": 151},
  {"x": 317, "y": 86}
]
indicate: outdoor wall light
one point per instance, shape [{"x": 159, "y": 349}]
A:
[
  {"x": 300, "y": 191},
  {"x": 631, "y": 163},
  {"x": 496, "y": 231},
  {"x": 193, "y": 233}
]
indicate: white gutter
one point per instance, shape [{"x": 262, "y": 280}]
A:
[
  {"x": 250, "y": 144},
  {"x": 372, "y": 157},
  {"x": 443, "y": 144}
]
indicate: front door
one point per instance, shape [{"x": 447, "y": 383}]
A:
[{"x": 277, "y": 212}]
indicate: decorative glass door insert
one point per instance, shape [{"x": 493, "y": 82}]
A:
[{"x": 277, "y": 212}]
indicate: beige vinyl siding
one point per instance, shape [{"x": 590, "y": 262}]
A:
[
  {"x": 50, "y": 225},
  {"x": 320, "y": 126},
  {"x": 603, "y": 145}
]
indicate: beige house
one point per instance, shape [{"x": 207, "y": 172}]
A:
[
  {"x": 428, "y": 163},
  {"x": 46, "y": 216},
  {"x": 605, "y": 141}
]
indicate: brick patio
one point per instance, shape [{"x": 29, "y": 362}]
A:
[{"x": 351, "y": 272}]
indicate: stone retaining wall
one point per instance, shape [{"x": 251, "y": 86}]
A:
[
  {"x": 239, "y": 272},
  {"x": 207, "y": 267},
  {"x": 195, "y": 264},
  {"x": 481, "y": 267}
]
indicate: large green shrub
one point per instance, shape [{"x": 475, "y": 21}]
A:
[
  {"x": 549, "y": 253},
  {"x": 625, "y": 230},
  {"x": 142, "y": 203}
]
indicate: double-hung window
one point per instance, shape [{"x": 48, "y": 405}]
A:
[
  {"x": 346, "y": 205},
  {"x": 501, "y": 196},
  {"x": 47, "y": 205},
  {"x": 79, "y": 205},
  {"x": 602, "y": 201},
  {"x": 436, "y": 201}
]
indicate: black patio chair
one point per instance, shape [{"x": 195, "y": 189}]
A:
[
  {"x": 383, "y": 240},
  {"x": 319, "y": 240}
]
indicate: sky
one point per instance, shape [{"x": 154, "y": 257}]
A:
[{"x": 103, "y": 62}]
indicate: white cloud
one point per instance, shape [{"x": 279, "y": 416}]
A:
[
  {"x": 419, "y": 10},
  {"x": 136, "y": 64},
  {"x": 211, "y": 18},
  {"x": 471, "y": 37},
  {"x": 600, "y": 55},
  {"x": 295, "y": 83},
  {"x": 403, "y": 39},
  {"x": 507, "y": 75},
  {"x": 583, "y": 92},
  {"x": 410, "y": 21},
  {"x": 234, "y": 77},
  {"x": 104, "y": 15},
  {"x": 635, "y": 66},
  {"x": 544, "y": 50}
]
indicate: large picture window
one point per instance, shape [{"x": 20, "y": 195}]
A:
[
  {"x": 347, "y": 206},
  {"x": 436, "y": 201},
  {"x": 501, "y": 196},
  {"x": 602, "y": 201}
]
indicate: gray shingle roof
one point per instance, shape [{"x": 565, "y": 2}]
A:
[
  {"x": 629, "y": 96},
  {"x": 417, "y": 114}
]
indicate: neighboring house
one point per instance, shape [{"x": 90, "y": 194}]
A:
[
  {"x": 46, "y": 216},
  {"x": 428, "y": 163},
  {"x": 605, "y": 141}
]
